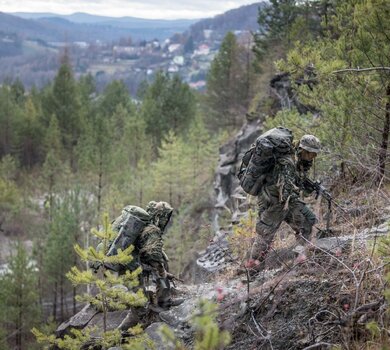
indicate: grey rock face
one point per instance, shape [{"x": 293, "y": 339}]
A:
[
  {"x": 226, "y": 182},
  {"x": 230, "y": 200},
  {"x": 78, "y": 321}
]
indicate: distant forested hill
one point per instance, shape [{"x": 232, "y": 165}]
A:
[
  {"x": 51, "y": 27},
  {"x": 242, "y": 18}
]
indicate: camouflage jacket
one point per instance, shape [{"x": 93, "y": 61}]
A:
[
  {"x": 150, "y": 245},
  {"x": 284, "y": 182}
]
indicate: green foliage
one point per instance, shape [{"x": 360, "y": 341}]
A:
[
  {"x": 10, "y": 117},
  {"x": 244, "y": 233},
  {"x": 114, "y": 95},
  {"x": 168, "y": 105},
  {"x": 9, "y": 195},
  {"x": 208, "y": 336},
  {"x": 353, "y": 107},
  {"x": 228, "y": 84},
  {"x": 282, "y": 22},
  {"x": 110, "y": 296},
  {"x": 77, "y": 338},
  {"x": 64, "y": 103},
  {"x": 8, "y": 167},
  {"x": 384, "y": 252},
  {"x": 19, "y": 297},
  {"x": 107, "y": 296},
  {"x": 291, "y": 119}
]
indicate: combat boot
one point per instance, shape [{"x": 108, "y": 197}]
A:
[
  {"x": 164, "y": 294},
  {"x": 166, "y": 304}
]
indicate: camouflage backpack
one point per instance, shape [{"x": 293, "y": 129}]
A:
[
  {"x": 259, "y": 160},
  {"x": 129, "y": 226}
]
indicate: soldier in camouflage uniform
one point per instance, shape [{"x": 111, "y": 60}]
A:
[
  {"x": 152, "y": 253},
  {"x": 279, "y": 199},
  {"x": 148, "y": 249}
]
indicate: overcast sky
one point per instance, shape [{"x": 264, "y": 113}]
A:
[{"x": 162, "y": 9}]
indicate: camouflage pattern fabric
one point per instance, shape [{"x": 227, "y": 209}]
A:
[
  {"x": 279, "y": 201},
  {"x": 150, "y": 245},
  {"x": 160, "y": 212}
]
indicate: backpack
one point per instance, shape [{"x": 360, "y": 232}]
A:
[
  {"x": 259, "y": 160},
  {"x": 129, "y": 226}
]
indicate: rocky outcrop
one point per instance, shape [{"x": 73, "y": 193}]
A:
[
  {"x": 230, "y": 200},
  {"x": 288, "y": 304}
]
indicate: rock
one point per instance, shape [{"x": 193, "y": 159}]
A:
[
  {"x": 177, "y": 317},
  {"x": 216, "y": 255},
  {"x": 114, "y": 320},
  {"x": 78, "y": 321},
  {"x": 230, "y": 199},
  {"x": 153, "y": 332}
]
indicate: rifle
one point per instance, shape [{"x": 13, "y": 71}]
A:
[{"x": 323, "y": 192}]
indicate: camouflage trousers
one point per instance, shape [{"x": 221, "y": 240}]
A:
[
  {"x": 297, "y": 215},
  {"x": 163, "y": 288}
]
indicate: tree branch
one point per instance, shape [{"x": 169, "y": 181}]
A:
[{"x": 359, "y": 70}]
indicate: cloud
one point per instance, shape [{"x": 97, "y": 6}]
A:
[{"x": 145, "y": 9}]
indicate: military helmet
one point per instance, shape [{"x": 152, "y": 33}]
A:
[
  {"x": 160, "y": 212},
  {"x": 310, "y": 143}
]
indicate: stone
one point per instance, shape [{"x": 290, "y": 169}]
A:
[
  {"x": 78, "y": 321},
  {"x": 113, "y": 321},
  {"x": 153, "y": 332}
]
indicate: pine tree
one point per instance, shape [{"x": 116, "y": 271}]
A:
[
  {"x": 200, "y": 153},
  {"x": 115, "y": 94},
  {"x": 52, "y": 169},
  {"x": 58, "y": 254},
  {"x": 283, "y": 22},
  {"x": 227, "y": 85},
  {"x": 347, "y": 83},
  {"x": 30, "y": 133},
  {"x": 171, "y": 171},
  {"x": 108, "y": 297},
  {"x": 168, "y": 104},
  {"x": 18, "y": 292},
  {"x": 64, "y": 103},
  {"x": 10, "y": 115}
]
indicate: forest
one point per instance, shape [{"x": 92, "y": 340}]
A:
[{"x": 72, "y": 158}]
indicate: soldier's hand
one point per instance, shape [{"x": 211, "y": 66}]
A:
[{"x": 171, "y": 276}]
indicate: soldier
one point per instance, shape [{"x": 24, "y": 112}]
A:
[
  {"x": 145, "y": 232},
  {"x": 152, "y": 253},
  {"x": 279, "y": 199}
]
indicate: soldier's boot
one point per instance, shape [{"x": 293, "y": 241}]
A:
[
  {"x": 164, "y": 295},
  {"x": 255, "y": 259}
]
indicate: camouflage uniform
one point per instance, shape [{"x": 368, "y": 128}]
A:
[
  {"x": 279, "y": 201},
  {"x": 151, "y": 251},
  {"x": 148, "y": 248}
]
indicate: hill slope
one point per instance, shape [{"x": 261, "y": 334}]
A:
[{"x": 89, "y": 28}]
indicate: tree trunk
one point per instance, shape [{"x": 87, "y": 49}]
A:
[
  {"x": 55, "y": 301},
  {"x": 385, "y": 141},
  {"x": 62, "y": 299},
  {"x": 18, "y": 325},
  {"x": 100, "y": 181}
]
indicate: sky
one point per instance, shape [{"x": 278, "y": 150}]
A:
[{"x": 158, "y": 9}]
